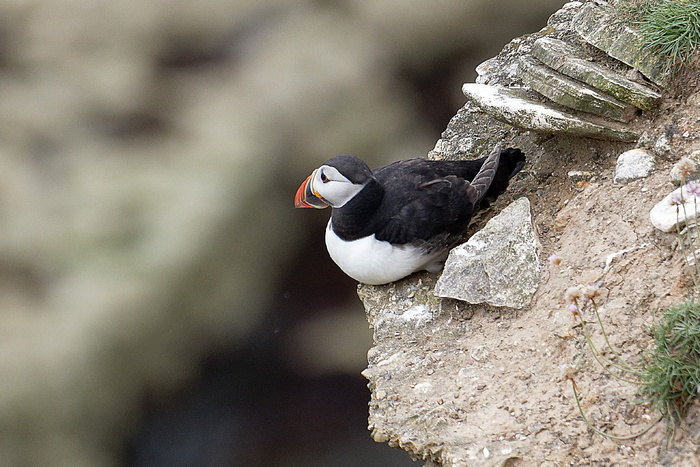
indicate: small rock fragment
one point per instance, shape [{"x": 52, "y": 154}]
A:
[
  {"x": 580, "y": 176},
  {"x": 686, "y": 168},
  {"x": 646, "y": 140},
  {"x": 632, "y": 165},
  {"x": 662, "y": 146}
]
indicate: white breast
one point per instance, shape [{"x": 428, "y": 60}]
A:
[{"x": 372, "y": 261}]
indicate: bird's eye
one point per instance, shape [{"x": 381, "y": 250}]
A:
[{"x": 324, "y": 178}]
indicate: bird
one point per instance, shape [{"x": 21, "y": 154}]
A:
[{"x": 404, "y": 217}]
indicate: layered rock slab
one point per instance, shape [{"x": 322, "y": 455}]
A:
[
  {"x": 571, "y": 93},
  {"x": 516, "y": 107},
  {"x": 571, "y": 62},
  {"x": 618, "y": 40}
]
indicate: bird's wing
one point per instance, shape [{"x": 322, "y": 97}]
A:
[{"x": 438, "y": 207}]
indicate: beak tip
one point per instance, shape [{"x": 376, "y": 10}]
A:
[{"x": 305, "y": 199}]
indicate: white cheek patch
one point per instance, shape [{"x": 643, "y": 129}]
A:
[{"x": 336, "y": 190}]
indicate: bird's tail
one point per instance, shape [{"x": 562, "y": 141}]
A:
[
  {"x": 511, "y": 162},
  {"x": 486, "y": 175}
]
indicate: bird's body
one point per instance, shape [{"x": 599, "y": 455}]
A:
[
  {"x": 375, "y": 261},
  {"x": 404, "y": 217}
]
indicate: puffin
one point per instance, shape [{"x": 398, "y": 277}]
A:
[{"x": 405, "y": 217}]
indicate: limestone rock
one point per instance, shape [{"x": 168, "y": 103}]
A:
[
  {"x": 517, "y": 108},
  {"x": 571, "y": 62},
  {"x": 676, "y": 209},
  {"x": 498, "y": 265},
  {"x": 571, "y": 93},
  {"x": 662, "y": 147},
  {"x": 633, "y": 164}
]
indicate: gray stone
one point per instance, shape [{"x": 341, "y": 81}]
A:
[
  {"x": 571, "y": 93},
  {"x": 633, "y": 164},
  {"x": 498, "y": 265},
  {"x": 571, "y": 62},
  {"x": 517, "y": 108},
  {"x": 662, "y": 146},
  {"x": 620, "y": 41},
  {"x": 470, "y": 134}
]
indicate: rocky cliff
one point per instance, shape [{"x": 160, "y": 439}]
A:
[{"x": 469, "y": 381}]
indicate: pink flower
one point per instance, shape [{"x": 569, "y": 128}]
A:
[
  {"x": 677, "y": 198},
  {"x": 573, "y": 308},
  {"x": 693, "y": 188}
]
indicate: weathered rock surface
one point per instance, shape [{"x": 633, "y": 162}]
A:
[
  {"x": 459, "y": 384},
  {"x": 565, "y": 59},
  {"x": 498, "y": 265},
  {"x": 621, "y": 42},
  {"x": 633, "y": 164},
  {"x": 571, "y": 93},
  {"x": 516, "y": 107},
  {"x": 415, "y": 334}
]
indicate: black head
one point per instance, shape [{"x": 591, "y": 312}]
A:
[
  {"x": 351, "y": 167},
  {"x": 334, "y": 183}
]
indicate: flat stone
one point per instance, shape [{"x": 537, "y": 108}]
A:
[
  {"x": 567, "y": 60},
  {"x": 514, "y": 106},
  {"x": 571, "y": 93},
  {"x": 667, "y": 215},
  {"x": 498, "y": 265},
  {"x": 633, "y": 164},
  {"x": 620, "y": 41}
]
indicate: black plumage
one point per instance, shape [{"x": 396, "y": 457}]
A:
[
  {"x": 405, "y": 217},
  {"x": 417, "y": 201}
]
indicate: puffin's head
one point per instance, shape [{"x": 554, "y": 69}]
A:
[{"x": 334, "y": 183}]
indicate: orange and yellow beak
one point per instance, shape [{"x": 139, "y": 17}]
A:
[{"x": 306, "y": 198}]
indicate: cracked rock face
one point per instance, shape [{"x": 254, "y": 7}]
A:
[
  {"x": 459, "y": 384},
  {"x": 498, "y": 265}
]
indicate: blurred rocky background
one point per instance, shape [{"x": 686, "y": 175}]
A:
[{"x": 161, "y": 303}]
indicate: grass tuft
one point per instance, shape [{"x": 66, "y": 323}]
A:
[
  {"x": 668, "y": 376},
  {"x": 670, "y": 27},
  {"x": 672, "y": 367}
]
